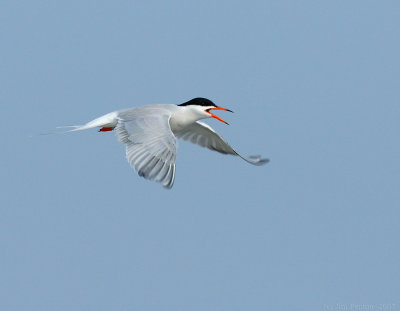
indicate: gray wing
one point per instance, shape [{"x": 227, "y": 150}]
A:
[
  {"x": 203, "y": 135},
  {"x": 150, "y": 144}
]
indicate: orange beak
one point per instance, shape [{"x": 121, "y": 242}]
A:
[{"x": 216, "y": 117}]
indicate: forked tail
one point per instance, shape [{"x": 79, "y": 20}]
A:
[{"x": 106, "y": 123}]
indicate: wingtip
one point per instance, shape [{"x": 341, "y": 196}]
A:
[
  {"x": 256, "y": 160},
  {"x": 264, "y": 161},
  {"x": 261, "y": 161}
]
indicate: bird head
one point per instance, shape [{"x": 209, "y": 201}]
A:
[{"x": 204, "y": 106}]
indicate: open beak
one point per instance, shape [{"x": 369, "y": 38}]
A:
[{"x": 216, "y": 117}]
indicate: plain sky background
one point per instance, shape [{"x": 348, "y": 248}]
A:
[{"x": 315, "y": 88}]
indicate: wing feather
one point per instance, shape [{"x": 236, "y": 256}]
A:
[
  {"x": 203, "y": 135},
  {"x": 150, "y": 144}
]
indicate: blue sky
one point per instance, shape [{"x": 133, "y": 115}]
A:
[{"x": 315, "y": 88}]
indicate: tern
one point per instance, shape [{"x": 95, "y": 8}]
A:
[{"x": 150, "y": 134}]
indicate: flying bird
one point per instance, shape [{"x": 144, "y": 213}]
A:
[{"x": 150, "y": 134}]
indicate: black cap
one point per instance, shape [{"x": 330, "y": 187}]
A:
[{"x": 199, "y": 101}]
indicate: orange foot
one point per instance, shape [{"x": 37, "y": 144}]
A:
[{"x": 106, "y": 129}]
